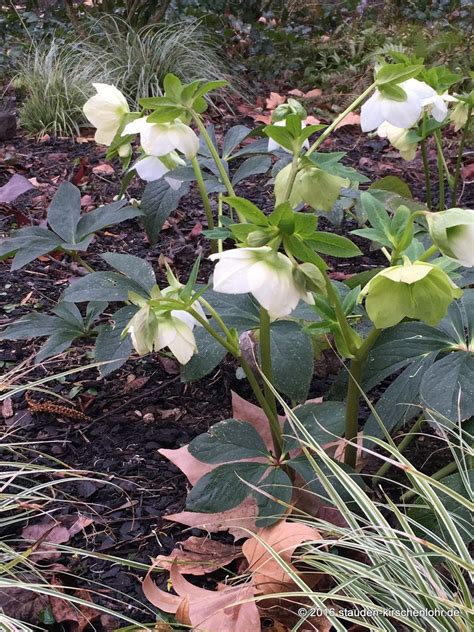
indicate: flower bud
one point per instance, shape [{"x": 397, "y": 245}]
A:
[
  {"x": 259, "y": 238},
  {"x": 292, "y": 106},
  {"x": 310, "y": 278},
  {"x": 452, "y": 231},
  {"x": 416, "y": 290}
]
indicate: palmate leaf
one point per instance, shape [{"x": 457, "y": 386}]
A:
[
  {"x": 68, "y": 229},
  {"x": 325, "y": 422}
]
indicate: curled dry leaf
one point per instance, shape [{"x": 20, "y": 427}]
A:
[
  {"x": 16, "y": 186},
  {"x": 103, "y": 170},
  {"x": 237, "y": 521},
  {"x": 230, "y": 609},
  {"x": 274, "y": 100},
  {"x": 198, "y": 556},
  {"x": 268, "y": 575}
]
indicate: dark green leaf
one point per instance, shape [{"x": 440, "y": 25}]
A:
[
  {"x": 448, "y": 386},
  {"x": 292, "y": 359},
  {"x": 226, "y": 441},
  {"x": 223, "y": 489},
  {"x": 98, "y": 286},
  {"x": 394, "y": 184},
  {"x": 56, "y": 344},
  {"x": 233, "y": 138},
  {"x": 111, "y": 346},
  {"x": 278, "y": 484},
  {"x": 105, "y": 216},
  {"x": 134, "y": 268},
  {"x": 246, "y": 208},
  {"x": 334, "y": 245},
  {"x": 159, "y": 200},
  {"x": 31, "y": 326},
  {"x": 324, "y": 422},
  {"x": 64, "y": 211},
  {"x": 251, "y": 167},
  {"x": 237, "y": 311},
  {"x": 209, "y": 354}
]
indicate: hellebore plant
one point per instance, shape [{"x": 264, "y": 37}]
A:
[
  {"x": 276, "y": 257},
  {"x": 274, "y": 279}
]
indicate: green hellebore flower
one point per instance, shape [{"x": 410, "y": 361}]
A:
[
  {"x": 452, "y": 231},
  {"x": 313, "y": 186},
  {"x": 416, "y": 290}
]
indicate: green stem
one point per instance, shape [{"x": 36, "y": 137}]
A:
[
  {"x": 205, "y": 199},
  {"x": 404, "y": 443},
  {"x": 439, "y": 145},
  {"x": 220, "y": 245},
  {"x": 457, "y": 170},
  {"x": 442, "y": 168},
  {"x": 292, "y": 176},
  {"x": 444, "y": 471},
  {"x": 338, "y": 119},
  {"x": 346, "y": 330},
  {"x": 426, "y": 169},
  {"x": 353, "y": 397},
  {"x": 432, "y": 250},
  {"x": 266, "y": 358},
  {"x": 214, "y": 153},
  {"x": 267, "y": 408},
  {"x": 272, "y": 418},
  {"x": 77, "y": 257}
]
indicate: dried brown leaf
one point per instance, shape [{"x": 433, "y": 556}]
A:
[{"x": 198, "y": 556}]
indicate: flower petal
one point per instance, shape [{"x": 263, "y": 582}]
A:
[{"x": 150, "y": 168}]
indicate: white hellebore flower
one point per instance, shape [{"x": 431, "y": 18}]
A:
[
  {"x": 159, "y": 139},
  {"x": 405, "y": 114},
  {"x": 452, "y": 231},
  {"x": 399, "y": 138},
  {"x": 273, "y": 145},
  {"x": 151, "y": 168},
  {"x": 105, "y": 110},
  {"x": 267, "y": 274},
  {"x": 152, "y": 330}
]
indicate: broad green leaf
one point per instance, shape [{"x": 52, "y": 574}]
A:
[
  {"x": 233, "y": 138},
  {"x": 56, "y": 344},
  {"x": 396, "y": 73},
  {"x": 251, "y": 167},
  {"x": 159, "y": 200},
  {"x": 104, "y": 216},
  {"x": 394, "y": 184},
  {"x": 448, "y": 386},
  {"x": 102, "y": 286},
  {"x": 398, "y": 403},
  {"x": 461, "y": 515},
  {"x": 226, "y": 441},
  {"x": 257, "y": 147},
  {"x": 134, "y": 268},
  {"x": 400, "y": 345},
  {"x": 251, "y": 212},
  {"x": 324, "y": 422},
  {"x": 111, "y": 346},
  {"x": 36, "y": 247},
  {"x": 165, "y": 114},
  {"x": 303, "y": 252},
  {"x": 278, "y": 484},
  {"x": 173, "y": 86},
  {"x": 70, "y": 314},
  {"x": 210, "y": 86},
  {"x": 237, "y": 311},
  {"x": 393, "y": 92},
  {"x": 332, "y": 244},
  {"x": 375, "y": 210},
  {"x": 32, "y": 325},
  {"x": 64, "y": 212},
  {"x": 280, "y": 136},
  {"x": 292, "y": 359},
  {"x": 223, "y": 489}
]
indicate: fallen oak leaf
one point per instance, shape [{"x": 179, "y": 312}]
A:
[
  {"x": 78, "y": 615},
  {"x": 313, "y": 94},
  {"x": 229, "y": 609},
  {"x": 350, "y": 119},
  {"x": 198, "y": 556},
  {"x": 53, "y": 532},
  {"x": 104, "y": 169},
  {"x": 16, "y": 186},
  {"x": 283, "y": 538}
]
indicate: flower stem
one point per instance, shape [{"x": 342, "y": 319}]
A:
[
  {"x": 457, "y": 170},
  {"x": 442, "y": 169},
  {"x": 292, "y": 176},
  {"x": 338, "y": 119},
  {"x": 266, "y": 358},
  {"x": 215, "y": 155},
  {"x": 429, "y": 252},
  {"x": 353, "y": 397},
  {"x": 205, "y": 199},
  {"x": 426, "y": 169},
  {"x": 346, "y": 330},
  {"x": 404, "y": 443}
]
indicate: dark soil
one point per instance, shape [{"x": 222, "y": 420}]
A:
[{"x": 142, "y": 407}]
